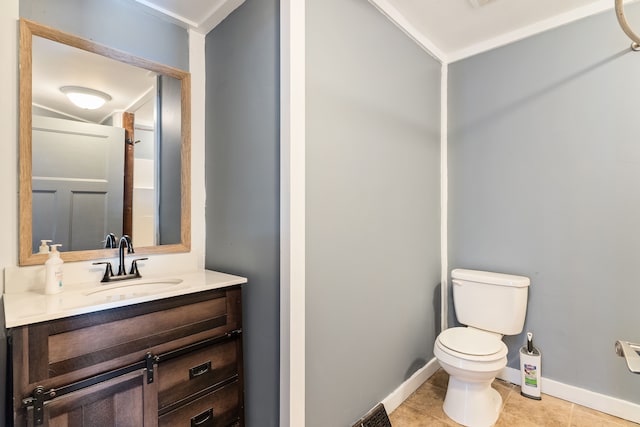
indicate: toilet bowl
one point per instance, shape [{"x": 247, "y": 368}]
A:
[
  {"x": 472, "y": 358},
  {"x": 490, "y": 305}
]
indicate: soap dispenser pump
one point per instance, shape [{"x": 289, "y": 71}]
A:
[
  {"x": 53, "y": 274},
  {"x": 44, "y": 247}
]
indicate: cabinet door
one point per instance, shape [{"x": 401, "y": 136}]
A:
[{"x": 125, "y": 401}]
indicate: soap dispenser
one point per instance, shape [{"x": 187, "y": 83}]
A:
[
  {"x": 44, "y": 247},
  {"x": 53, "y": 274}
]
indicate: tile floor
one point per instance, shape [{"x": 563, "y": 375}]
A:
[{"x": 424, "y": 408}]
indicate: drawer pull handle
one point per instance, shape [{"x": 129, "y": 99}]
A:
[
  {"x": 204, "y": 419},
  {"x": 196, "y": 371}
]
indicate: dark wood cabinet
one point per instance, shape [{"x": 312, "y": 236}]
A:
[
  {"x": 126, "y": 400},
  {"x": 173, "y": 362},
  {"x": 219, "y": 408}
]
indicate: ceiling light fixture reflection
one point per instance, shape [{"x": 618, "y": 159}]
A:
[{"x": 85, "y": 98}]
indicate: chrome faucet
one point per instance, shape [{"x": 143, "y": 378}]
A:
[{"x": 134, "y": 273}]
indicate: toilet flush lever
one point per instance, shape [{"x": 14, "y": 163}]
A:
[{"x": 631, "y": 353}]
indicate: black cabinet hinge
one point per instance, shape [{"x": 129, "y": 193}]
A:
[{"x": 149, "y": 361}]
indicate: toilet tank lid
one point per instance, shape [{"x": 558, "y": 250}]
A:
[{"x": 490, "y": 278}]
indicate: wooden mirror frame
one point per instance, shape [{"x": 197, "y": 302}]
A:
[{"x": 28, "y": 29}]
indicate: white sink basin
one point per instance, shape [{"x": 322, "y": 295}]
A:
[{"x": 134, "y": 289}]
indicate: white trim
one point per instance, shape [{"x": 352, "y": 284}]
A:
[
  {"x": 62, "y": 113},
  {"x": 511, "y": 375},
  {"x": 600, "y": 402},
  {"x": 179, "y": 19},
  {"x": 444, "y": 198},
  {"x": 217, "y": 15},
  {"x": 405, "y": 389},
  {"x": 211, "y": 18},
  {"x": 580, "y": 396},
  {"x": 292, "y": 213},
  {"x": 530, "y": 30},
  {"x": 385, "y": 7},
  {"x": 9, "y": 118},
  {"x": 197, "y": 68}
]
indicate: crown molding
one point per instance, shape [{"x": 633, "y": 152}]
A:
[
  {"x": 211, "y": 18},
  {"x": 388, "y": 10}
]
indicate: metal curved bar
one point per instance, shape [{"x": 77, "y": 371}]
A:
[{"x": 625, "y": 26}]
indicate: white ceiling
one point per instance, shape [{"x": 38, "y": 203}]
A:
[
  {"x": 449, "y": 29},
  {"x": 55, "y": 65},
  {"x": 198, "y": 15},
  {"x": 455, "y": 25},
  {"x": 455, "y": 29}
]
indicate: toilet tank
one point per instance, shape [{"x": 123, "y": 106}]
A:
[{"x": 494, "y": 302}]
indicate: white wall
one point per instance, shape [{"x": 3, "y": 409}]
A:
[
  {"x": 9, "y": 158},
  {"x": 9, "y": 131},
  {"x": 82, "y": 271}
]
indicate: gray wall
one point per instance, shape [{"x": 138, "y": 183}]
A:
[
  {"x": 372, "y": 210},
  {"x": 120, "y": 24},
  {"x": 242, "y": 173},
  {"x": 169, "y": 160},
  {"x": 544, "y": 166}
]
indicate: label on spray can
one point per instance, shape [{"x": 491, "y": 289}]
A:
[{"x": 530, "y": 375}]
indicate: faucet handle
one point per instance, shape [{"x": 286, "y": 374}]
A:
[
  {"x": 108, "y": 271},
  {"x": 134, "y": 266}
]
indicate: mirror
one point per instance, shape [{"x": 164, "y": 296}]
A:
[{"x": 123, "y": 168}]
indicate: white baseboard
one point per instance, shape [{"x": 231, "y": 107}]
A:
[
  {"x": 405, "y": 389},
  {"x": 600, "y": 402}
]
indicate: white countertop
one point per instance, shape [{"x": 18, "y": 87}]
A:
[{"x": 23, "y": 308}]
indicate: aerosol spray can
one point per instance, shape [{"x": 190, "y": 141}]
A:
[{"x": 530, "y": 370}]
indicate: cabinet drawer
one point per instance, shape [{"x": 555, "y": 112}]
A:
[
  {"x": 65, "y": 350},
  {"x": 220, "y": 408},
  {"x": 196, "y": 372}
]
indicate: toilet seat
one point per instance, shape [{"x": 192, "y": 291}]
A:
[{"x": 471, "y": 344}]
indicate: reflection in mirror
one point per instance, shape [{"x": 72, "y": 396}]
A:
[{"x": 121, "y": 167}]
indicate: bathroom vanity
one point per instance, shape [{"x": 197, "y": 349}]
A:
[
  {"x": 129, "y": 356},
  {"x": 145, "y": 352},
  {"x": 151, "y": 351}
]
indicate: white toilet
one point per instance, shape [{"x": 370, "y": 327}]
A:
[{"x": 491, "y": 305}]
